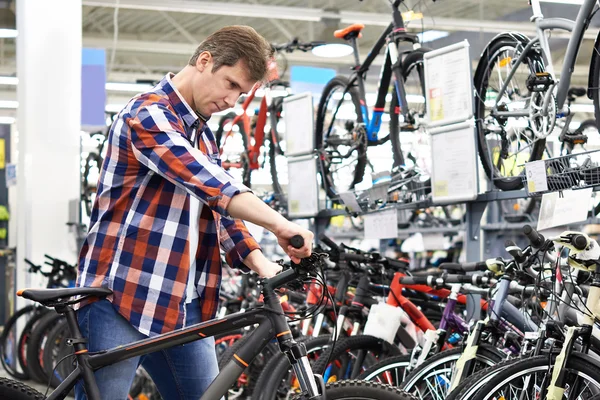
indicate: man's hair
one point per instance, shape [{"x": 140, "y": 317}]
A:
[{"x": 233, "y": 43}]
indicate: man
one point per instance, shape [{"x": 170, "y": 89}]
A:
[{"x": 163, "y": 207}]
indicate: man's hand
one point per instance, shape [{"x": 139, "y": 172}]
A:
[
  {"x": 258, "y": 263},
  {"x": 285, "y": 231}
]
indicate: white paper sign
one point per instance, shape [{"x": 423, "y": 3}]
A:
[
  {"x": 298, "y": 116},
  {"x": 536, "y": 176},
  {"x": 349, "y": 200},
  {"x": 562, "y": 208},
  {"x": 303, "y": 194},
  {"x": 454, "y": 158},
  {"x": 448, "y": 84},
  {"x": 381, "y": 225}
]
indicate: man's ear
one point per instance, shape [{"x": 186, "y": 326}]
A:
[{"x": 204, "y": 60}]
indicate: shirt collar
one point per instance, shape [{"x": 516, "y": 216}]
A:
[{"x": 189, "y": 116}]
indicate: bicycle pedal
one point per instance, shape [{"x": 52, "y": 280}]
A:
[
  {"x": 575, "y": 139},
  {"x": 539, "y": 82}
]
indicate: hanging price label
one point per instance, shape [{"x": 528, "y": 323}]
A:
[{"x": 381, "y": 225}]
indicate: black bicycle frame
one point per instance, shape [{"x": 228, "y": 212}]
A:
[
  {"x": 272, "y": 324},
  {"x": 391, "y": 37}
]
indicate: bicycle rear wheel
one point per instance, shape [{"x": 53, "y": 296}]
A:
[
  {"x": 8, "y": 342},
  {"x": 232, "y": 141},
  {"x": 14, "y": 390},
  {"x": 506, "y": 143},
  {"x": 414, "y": 84},
  {"x": 341, "y": 137}
]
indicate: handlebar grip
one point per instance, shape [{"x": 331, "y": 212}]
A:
[
  {"x": 414, "y": 280},
  {"x": 329, "y": 243},
  {"x": 466, "y": 267},
  {"x": 515, "y": 251},
  {"x": 297, "y": 241},
  {"x": 535, "y": 238},
  {"x": 397, "y": 264},
  {"x": 354, "y": 257},
  {"x": 579, "y": 242}
]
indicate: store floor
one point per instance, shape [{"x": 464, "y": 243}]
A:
[{"x": 39, "y": 387}]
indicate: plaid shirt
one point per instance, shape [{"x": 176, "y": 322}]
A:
[{"x": 138, "y": 241}]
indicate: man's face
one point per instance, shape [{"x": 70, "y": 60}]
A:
[{"x": 219, "y": 90}]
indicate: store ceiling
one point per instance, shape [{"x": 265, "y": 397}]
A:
[{"x": 156, "y": 36}]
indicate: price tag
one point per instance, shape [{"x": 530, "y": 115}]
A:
[
  {"x": 562, "y": 208},
  {"x": 349, "y": 200},
  {"x": 536, "y": 176},
  {"x": 381, "y": 225}
]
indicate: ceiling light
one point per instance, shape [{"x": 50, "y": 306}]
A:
[
  {"x": 8, "y": 33},
  {"x": 9, "y": 104},
  {"x": 9, "y": 80},
  {"x": 573, "y": 2},
  {"x": 127, "y": 87},
  {"x": 332, "y": 50},
  {"x": 430, "y": 36},
  {"x": 7, "y": 120}
]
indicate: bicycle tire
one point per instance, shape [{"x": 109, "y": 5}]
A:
[
  {"x": 8, "y": 349},
  {"x": 225, "y": 119},
  {"x": 529, "y": 366},
  {"x": 361, "y": 390},
  {"x": 13, "y": 390},
  {"x": 395, "y": 362},
  {"x": 486, "y": 354},
  {"x": 36, "y": 344},
  {"x": 473, "y": 383},
  {"x": 535, "y": 63},
  {"x": 331, "y": 187},
  {"x": 24, "y": 339},
  {"x": 278, "y": 368},
  {"x": 256, "y": 365},
  {"x": 55, "y": 350},
  {"x": 377, "y": 347},
  {"x": 412, "y": 60}
]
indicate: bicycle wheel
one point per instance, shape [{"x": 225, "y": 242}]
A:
[
  {"x": 473, "y": 383},
  {"x": 361, "y": 390},
  {"x": 391, "y": 371},
  {"x": 23, "y": 342},
  {"x": 232, "y": 141},
  {"x": 37, "y": 343},
  {"x": 341, "y": 137},
  {"x": 8, "y": 343},
  {"x": 277, "y": 379},
  {"x": 277, "y": 159},
  {"x": 414, "y": 84},
  {"x": 353, "y": 355},
  {"x": 55, "y": 350},
  {"x": 14, "y": 390},
  {"x": 525, "y": 380},
  {"x": 431, "y": 380},
  {"x": 506, "y": 143}
]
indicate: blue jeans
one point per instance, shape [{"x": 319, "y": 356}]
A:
[{"x": 180, "y": 372}]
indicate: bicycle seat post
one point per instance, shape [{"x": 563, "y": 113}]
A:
[{"x": 79, "y": 345}]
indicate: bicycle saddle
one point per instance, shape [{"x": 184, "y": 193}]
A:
[
  {"x": 349, "y": 32},
  {"x": 55, "y": 295}
]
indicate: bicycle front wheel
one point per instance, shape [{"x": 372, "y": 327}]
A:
[
  {"x": 341, "y": 137},
  {"x": 526, "y": 379},
  {"x": 506, "y": 142},
  {"x": 361, "y": 390},
  {"x": 14, "y": 390}
]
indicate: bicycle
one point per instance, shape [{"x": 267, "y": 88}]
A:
[
  {"x": 345, "y": 146},
  {"x": 518, "y": 97},
  {"x": 271, "y": 325},
  {"x": 247, "y": 137}
]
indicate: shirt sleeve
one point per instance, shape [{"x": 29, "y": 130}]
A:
[
  {"x": 237, "y": 242},
  {"x": 159, "y": 142}
]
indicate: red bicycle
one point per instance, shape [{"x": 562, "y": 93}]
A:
[{"x": 241, "y": 138}]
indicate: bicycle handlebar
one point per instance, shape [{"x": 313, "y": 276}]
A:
[
  {"x": 294, "y": 44},
  {"x": 465, "y": 267},
  {"x": 432, "y": 280}
]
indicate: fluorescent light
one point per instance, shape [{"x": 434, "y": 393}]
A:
[
  {"x": 9, "y": 104},
  {"x": 332, "y": 50},
  {"x": 430, "y": 36},
  {"x": 112, "y": 86},
  {"x": 574, "y": 2},
  {"x": 127, "y": 87},
  {"x": 7, "y": 120},
  {"x": 9, "y": 80},
  {"x": 114, "y": 107},
  {"x": 8, "y": 33}
]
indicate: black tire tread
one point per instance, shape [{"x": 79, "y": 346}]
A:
[{"x": 14, "y": 390}]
